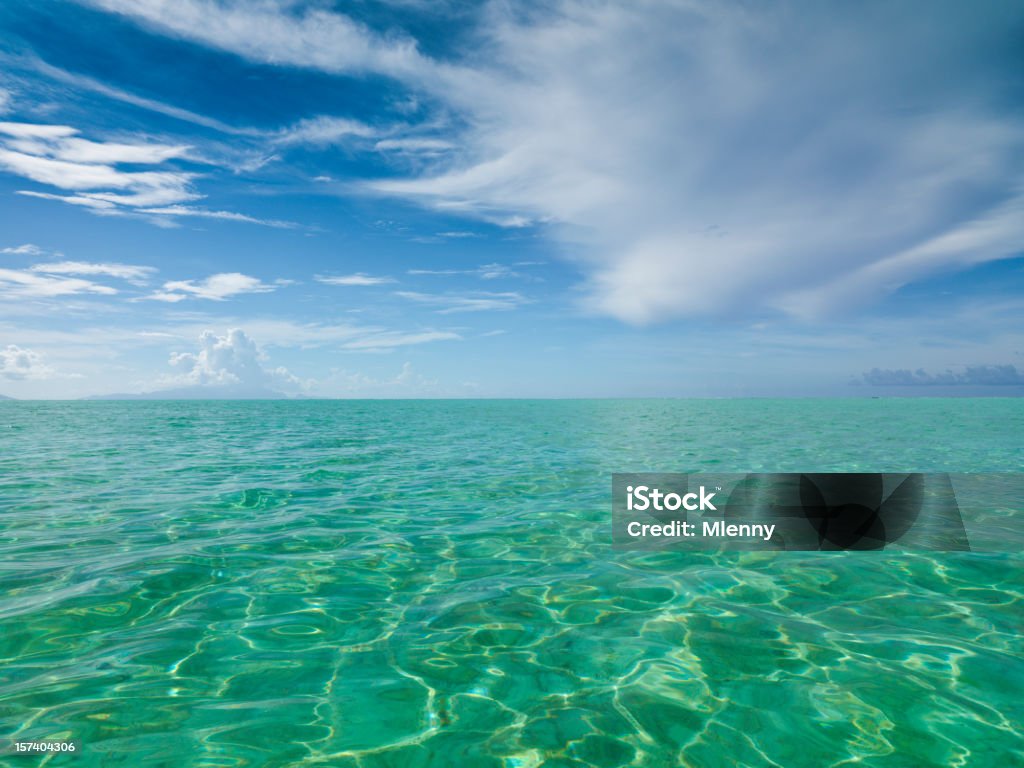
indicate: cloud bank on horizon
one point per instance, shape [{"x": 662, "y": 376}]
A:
[{"x": 757, "y": 176}]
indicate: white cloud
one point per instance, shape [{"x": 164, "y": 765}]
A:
[
  {"x": 216, "y": 288},
  {"x": 25, "y": 131},
  {"x": 60, "y": 143},
  {"x": 413, "y": 145},
  {"x": 18, "y": 363},
  {"x": 704, "y": 168},
  {"x": 384, "y": 340},
  {"x": 143, "y": 188},
  {"x": 130, "y": 272},
  {"x": 697, "y": 157},
  {"x": 277, "y": 34},
  {"x": 484, "y": 272},
  {"x": 202, "y": 213},
  {"x": 323, "y": 130},
  {"x": 359, "y": 278},
  {"x": 28, "y": 249},
  {"x": 408, "y": 382},
  {"x": 458, "y": 234},
  {"x": 271, "y": 332},
  {"x": 56, "y": 156},
  {"x": 27, "y": 284},
  {"x": 478, "y": 301},
  {"x": 82, "y": 82},
  {"x": 5, "y": 100},
  {"x": 232, "y": 359},
  {"x": 284, "y": 333},
  {"x": 992, "y": 235},
  {"x": 104, "y": 207}
]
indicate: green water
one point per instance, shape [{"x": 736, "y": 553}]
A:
[{"x": 432, "y": 584}]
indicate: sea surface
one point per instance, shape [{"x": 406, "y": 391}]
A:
[{"x": 431, "y": 583}]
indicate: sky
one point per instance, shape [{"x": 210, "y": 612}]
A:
[{"x": 511, "y": 199}]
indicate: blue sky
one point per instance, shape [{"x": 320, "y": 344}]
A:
[{"x": 408, "y": 199}]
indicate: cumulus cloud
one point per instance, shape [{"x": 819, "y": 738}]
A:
[
  {"x": 357, "y": 279},
  {"x": 216, "y": 288},
  {"x": 229, "y": 360},
  {"x": 478, "y": 301},
  {"x": 18, "y": 363},
  {"x": 972, "y": 375}
]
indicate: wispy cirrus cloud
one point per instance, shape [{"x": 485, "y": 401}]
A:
[
  {"x": 322, "y": 131},
  {"x": 280, "y": 34},
  {"x": 214, "y": 288},
  {"x": 62, "y": 142},
  {"x": 27, "y": 249},
  {"x": 457, "y": 234},
  {"x": 701, "y": 168},
  {"x": 728, "y": 192},
  {"x": 378, "y": 341},
  {"x": 414, "y": 145},
  {"x": 484, "y": 272},
  {"x": 271, "y": 332},
  {"x": 345, "y": 336},
  {"x": 91, "y": 175},
  {"x": 84, "y": 83},
  {"x": 17, "y": 283},
  {"x": 56, "y": 156},
  {"x": 176, "y": 211},
  {"x": 358, "y": 279},
  {"x": 130, "y": 272},
  {"x": 479, "y": 301}
]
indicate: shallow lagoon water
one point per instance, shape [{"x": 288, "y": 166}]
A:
[{"x": 431, "y": 583}]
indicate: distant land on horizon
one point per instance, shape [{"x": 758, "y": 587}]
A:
[
  {"x": 231, "y": 393},
  {"x": 201, "y": 393}
]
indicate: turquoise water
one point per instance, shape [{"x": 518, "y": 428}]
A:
[{"x": 431, "y": 583}]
